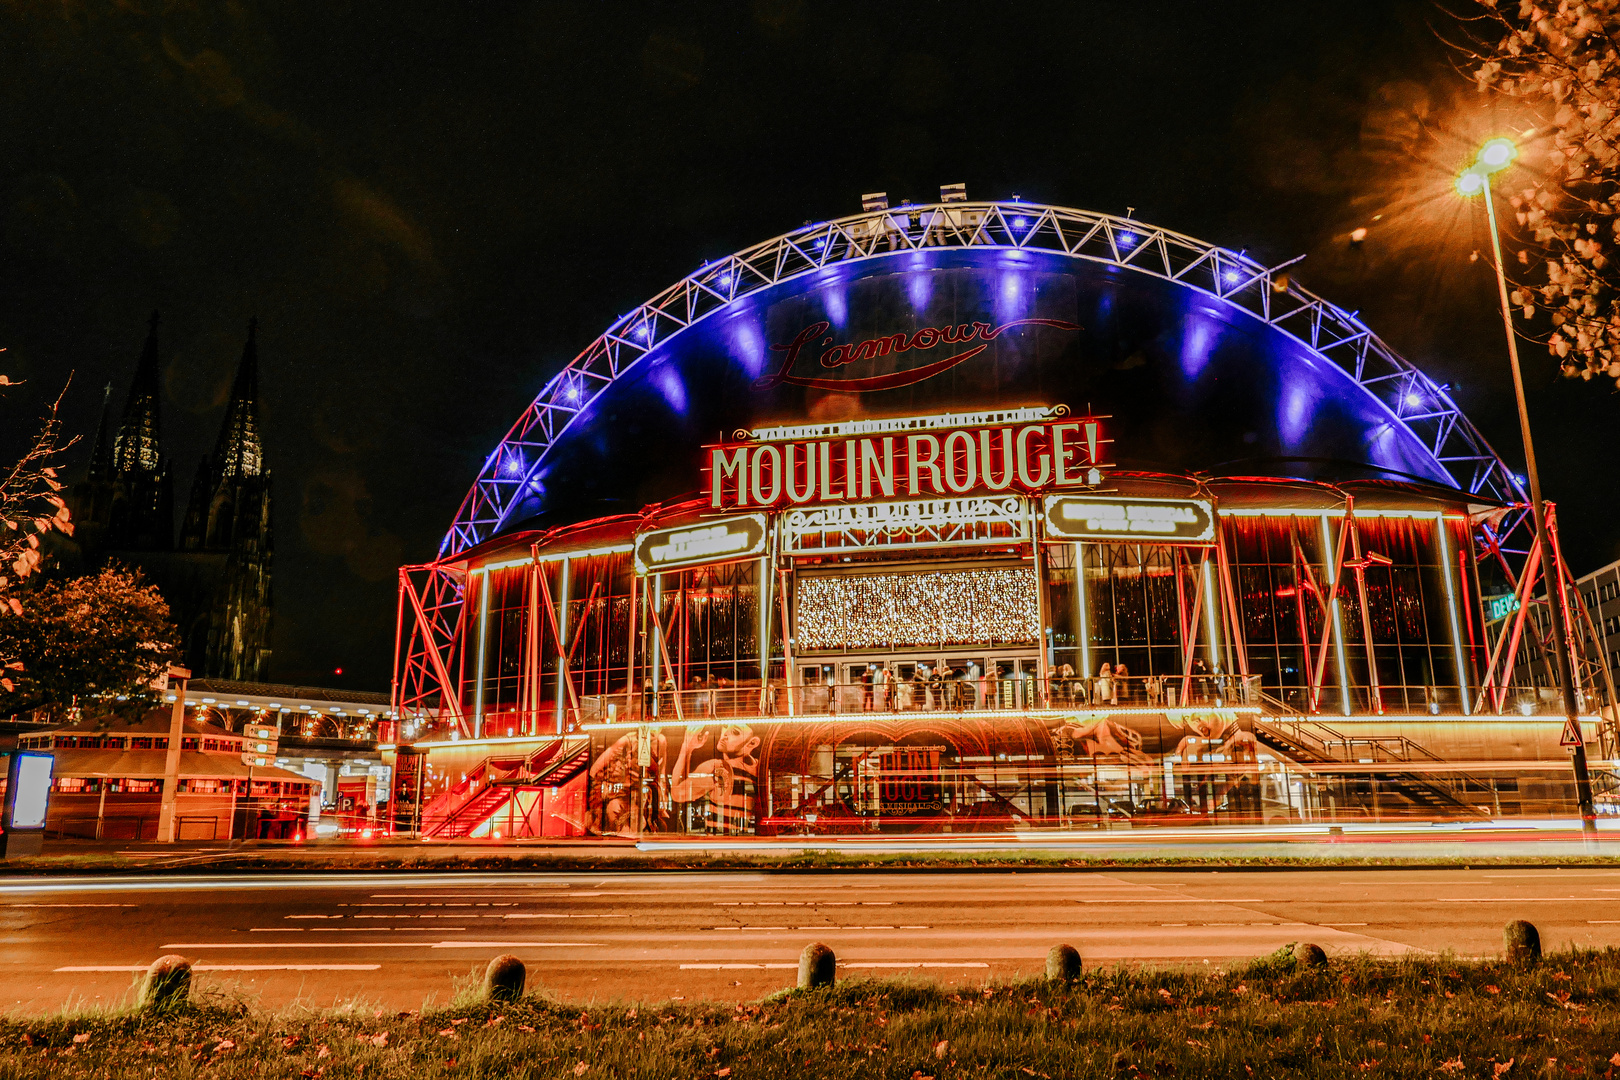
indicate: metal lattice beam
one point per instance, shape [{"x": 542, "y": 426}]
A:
[{"x": 1412, "y": 400}]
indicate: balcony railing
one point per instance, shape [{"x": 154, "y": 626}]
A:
[
  {"x": 776, "y": 701},
  {"x": 1057, "y": 693}
]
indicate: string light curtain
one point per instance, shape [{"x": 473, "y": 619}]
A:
[{"x": 952, "y": 607}]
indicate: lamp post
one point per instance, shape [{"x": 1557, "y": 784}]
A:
[{"x": 1493, "y": 157}]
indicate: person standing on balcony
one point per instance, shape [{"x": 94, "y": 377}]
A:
[{"x": 1104, "y": 690}]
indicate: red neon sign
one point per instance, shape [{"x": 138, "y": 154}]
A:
[
  {"x": 915, "y": 462},
  {"x": 924, "y": 339}
]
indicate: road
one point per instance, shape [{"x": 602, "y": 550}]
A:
[{"x": 398, "y": 940}]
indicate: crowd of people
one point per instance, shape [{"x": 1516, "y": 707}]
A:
[{"x": 882, "y": 688}]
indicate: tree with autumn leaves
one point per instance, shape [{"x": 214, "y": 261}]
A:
[
  {"x": 100, "y": 639},
  {"x": 31, "y": 508},
  {"x": 1558, "y": 64}
]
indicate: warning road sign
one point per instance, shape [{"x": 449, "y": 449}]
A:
[{"x": 1572, "y": 734}]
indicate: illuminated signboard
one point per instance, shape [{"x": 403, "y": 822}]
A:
[
  {"x": 29, "y": 790},
  {"x": 720, "y": 540},
  {"x": 1172, "y": 521},
  {"x": 1025, "y": 450},
  {"x": 260, "y": 743},
  {"x": 926, "y": 523},
  {"x": 1500, "y": 607}
]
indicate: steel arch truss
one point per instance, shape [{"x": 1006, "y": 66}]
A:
[{"x": 1412, "y": 399}]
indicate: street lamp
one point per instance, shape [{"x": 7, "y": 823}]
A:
[{"x": 1493, "y": 157}]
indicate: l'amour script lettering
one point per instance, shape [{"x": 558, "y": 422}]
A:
[
  {"x": 1021, "y": 457},
  {"x": 833, "y": 357}
]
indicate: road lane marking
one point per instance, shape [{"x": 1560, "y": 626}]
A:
[
  {"x": 1183, "y": 900},
  {"x": 541, "y": 915},
  {"x": 463, "y": 895},
  {"x": 69, "y": 905},
  {"x": 1503, "y": 899},
  {"x": 804, "y": 903},
  {"x": 736, "y": 967},
  {"x": 228, "y": 967},
  {"x": 384, "y": 945},
  {"x": 915, "y": 964},
  {"x": 1338, "y": 924},
  {"x": 351, "y": 929}
]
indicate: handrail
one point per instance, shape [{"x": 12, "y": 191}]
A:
[{"x": 704, "y": 703}]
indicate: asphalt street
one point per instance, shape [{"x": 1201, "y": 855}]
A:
[{"x": 396, "y": 941}]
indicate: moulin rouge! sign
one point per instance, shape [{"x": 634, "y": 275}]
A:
[{"x": 1026, "y": 450}]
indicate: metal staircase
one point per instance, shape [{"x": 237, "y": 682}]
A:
[
  {"x": 1314, "y": 745},
  {"x": 459, "y": 812}
]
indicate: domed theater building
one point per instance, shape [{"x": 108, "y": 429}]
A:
[{"x": 975, "y": 517}]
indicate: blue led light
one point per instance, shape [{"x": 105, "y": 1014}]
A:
[
  {"x": 1232, "y": 277},
  {"x": 1126, "y": 239},
  {"x": 514, "y": 466},
  {"x": 573, "y": 393},
  {"x": 1018, "y": 223},
  {"x": 641, "y": 331},
  {"x": 725, "y": 281},
  {"x": 1413, "y": 398},
  {"x": 821, "y": 242}
]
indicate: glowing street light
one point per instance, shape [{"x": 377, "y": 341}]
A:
[
  {"x": 1493, "y": 157},
  {"x": 1496, "y": 155}
]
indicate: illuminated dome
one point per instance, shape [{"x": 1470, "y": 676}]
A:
[{"x": 1207, "y": 363}]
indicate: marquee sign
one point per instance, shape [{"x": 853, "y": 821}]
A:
[
  {"x": 1013, "y": 451},
  {"x": 953, "y": 342},
  {"x": 718, "y": 540},
  {"x": 1160, "y": 521},
  {"x": 925, "y": 523}
]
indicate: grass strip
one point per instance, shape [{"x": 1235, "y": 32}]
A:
[
  {"x": 1359, "y": 1017},
  {"x": 414, "y": 860}
]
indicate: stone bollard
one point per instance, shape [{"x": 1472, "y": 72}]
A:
[
  {"x": 818, "y": 966},
  {"x": 1522, "y": 942},
  {"x": 1062, "y": 964},
  {"x": 167, "y": 984},
  {"x": 1307, "y": 954},
  {"x": 504, "y": 979}
]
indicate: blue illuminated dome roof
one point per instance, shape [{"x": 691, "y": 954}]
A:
[{"x": 1206, "y": 363}]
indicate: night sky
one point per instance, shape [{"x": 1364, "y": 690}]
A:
[{"x": 431, "y": 207}]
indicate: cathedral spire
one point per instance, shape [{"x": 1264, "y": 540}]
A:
[
  {"x": 101, "y": 452},
  {"x": 238, "y": 453},
  {"x": 137, "y": 448}
]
